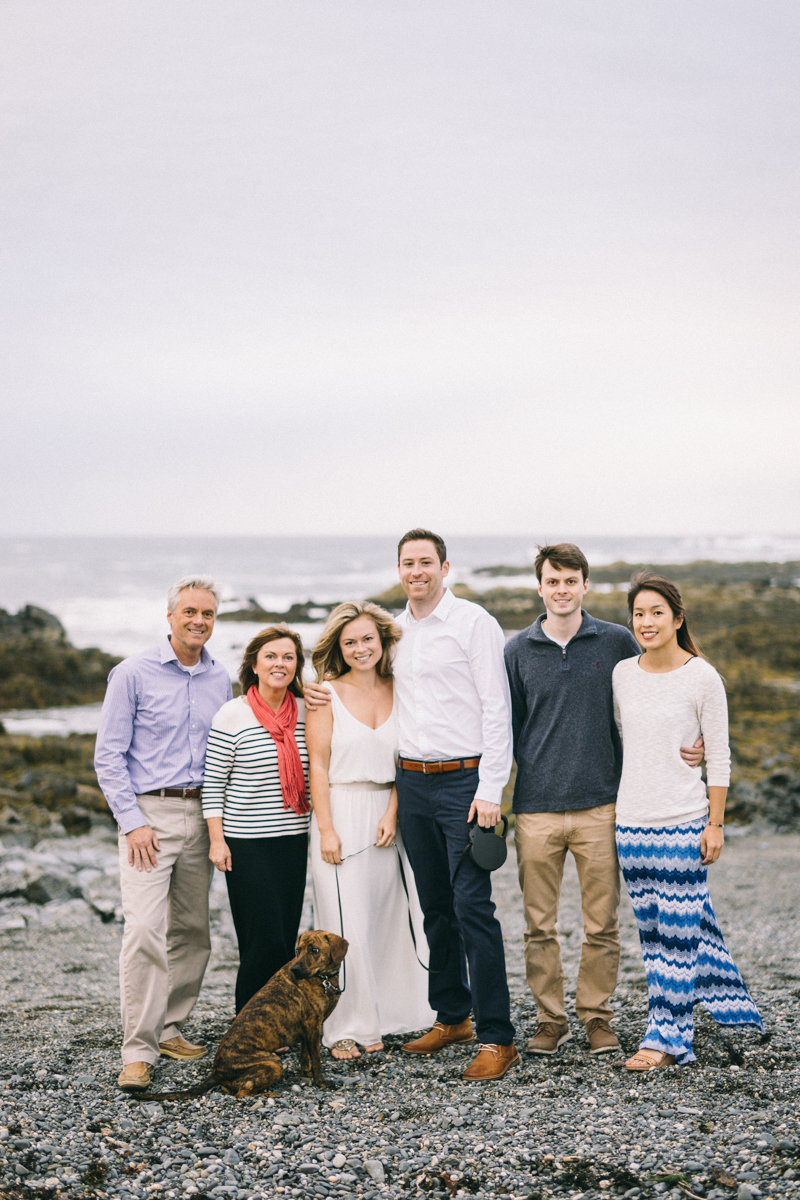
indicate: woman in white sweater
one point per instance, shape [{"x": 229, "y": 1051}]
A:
[{"x": 669, "y": 829}]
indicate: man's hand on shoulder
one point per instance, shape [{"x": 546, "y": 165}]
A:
[
  {"x": 488, "y": 814},
  {"x": 693, "y": 755},
  {"x": 316, "y": 696},
  {"x": 142, "y": 848}
]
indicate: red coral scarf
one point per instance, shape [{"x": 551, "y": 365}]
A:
[{"x": 281, "y": 726}]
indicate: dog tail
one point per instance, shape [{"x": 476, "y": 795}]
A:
[{"x": 205, "y": 1085}]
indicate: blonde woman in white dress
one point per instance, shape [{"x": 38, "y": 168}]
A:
[{"x": 352, "y": 747}]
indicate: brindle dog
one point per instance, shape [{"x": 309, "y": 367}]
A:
[{"x": 291, "y": 1007}]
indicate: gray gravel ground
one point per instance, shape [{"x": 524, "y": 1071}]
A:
[{"x": 571, "y": 1125}]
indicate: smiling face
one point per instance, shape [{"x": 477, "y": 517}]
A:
[
  {"x": 421, "y": 574},
  {"x": 655, "y": 625},
  {"x": 276, "y": 664},
  {"x": 192, "y": 622},
  {"x": 360, "y": 644},
  {"x": 562, "y": 589}
]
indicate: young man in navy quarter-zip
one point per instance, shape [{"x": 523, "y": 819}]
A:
[{"x": 569, "y": 760}]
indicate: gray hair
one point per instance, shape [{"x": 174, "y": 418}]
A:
[{"x": 201, "y": 583}]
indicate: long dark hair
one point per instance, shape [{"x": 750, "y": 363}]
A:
[{"x": 645, "y": 582}]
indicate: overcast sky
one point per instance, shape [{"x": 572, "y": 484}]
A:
[{"x": 345, "y": 267}]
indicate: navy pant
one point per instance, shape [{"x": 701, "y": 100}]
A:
[{"x": 460, "y": 924}]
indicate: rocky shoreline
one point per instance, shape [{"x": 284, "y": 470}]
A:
[{"x": 570, "y": 1126}]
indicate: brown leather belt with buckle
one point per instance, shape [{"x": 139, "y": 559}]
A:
[
  {"x": 437, "y": 768},
  {"x": 193, "y": 793}
]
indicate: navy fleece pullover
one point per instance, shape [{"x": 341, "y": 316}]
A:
[{"x": 566, "y": 743}]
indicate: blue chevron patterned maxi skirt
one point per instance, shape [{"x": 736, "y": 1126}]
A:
[{"x": 685, "y": 956}]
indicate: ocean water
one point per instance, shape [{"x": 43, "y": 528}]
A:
[{"x": 111, "y": 592}]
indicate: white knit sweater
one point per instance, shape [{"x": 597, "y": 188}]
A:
[{"x": 656, "y": 715}]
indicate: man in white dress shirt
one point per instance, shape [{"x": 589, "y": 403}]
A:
[{"x": 454, "y": 712}]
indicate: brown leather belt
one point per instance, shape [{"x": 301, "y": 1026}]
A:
[
  {"x": 192, "y": 793},
  {"x": 437, "y": 768}
]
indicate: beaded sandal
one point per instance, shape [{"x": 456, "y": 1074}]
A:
[
  {"x": 649, "y": 1060},
  {"x": 346, "y": 1045}
]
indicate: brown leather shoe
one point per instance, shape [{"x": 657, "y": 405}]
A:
[
  {"x": 491, "y": 1062},
  {"x": 136, "y": 1077},
  {"x": 548, "y": 1037},
  {"x": 440, "y": 1036},
  {"x": 179, "y": 1048},
  {"x": 601, "y": 1036}
]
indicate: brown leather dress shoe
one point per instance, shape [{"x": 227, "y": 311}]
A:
[
  {"x": 440, "y": 1036},
  {"x": 491, "y": 1062},
  {"x": 136, "y": 1077},
  {"x": 179, "y": 1048}
]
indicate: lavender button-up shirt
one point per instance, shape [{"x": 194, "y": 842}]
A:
[{"x": 154, "y": 727}]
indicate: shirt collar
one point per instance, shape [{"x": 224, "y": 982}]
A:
[
  {"x": 442, "y": 610},
  {"x": 169, "y": 655},
  {"x": 588, "y": 628}
]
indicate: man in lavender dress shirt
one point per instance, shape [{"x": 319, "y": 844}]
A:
[{"x": 150, "y": 753}]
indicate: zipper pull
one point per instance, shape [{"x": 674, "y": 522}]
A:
[{"x": 563, "y": 653}]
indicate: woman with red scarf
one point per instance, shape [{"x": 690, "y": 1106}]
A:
[{"x": 255, "y": 800}]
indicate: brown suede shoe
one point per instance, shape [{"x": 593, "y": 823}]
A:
[
  {"x": 179, "y": 1048},
  {"x": 601, "y": 1036},
  {"x": 440, "y": 1036},
  {"x": 136, "y": 1077},
  {"x": 491, "y": 1062},
  {"x": 548, "y": 1037}
]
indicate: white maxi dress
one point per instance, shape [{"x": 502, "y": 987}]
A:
[{"x": 386, "y": 989}]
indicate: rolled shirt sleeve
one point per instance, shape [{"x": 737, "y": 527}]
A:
[{"x": 491, "y": 682}]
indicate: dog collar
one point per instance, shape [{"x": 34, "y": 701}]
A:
[{"x": 328, "y": 986}]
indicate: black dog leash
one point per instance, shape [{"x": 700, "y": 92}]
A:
[
  {"x": 408, "y": 909},
  {"x": 487, "y": 851},
  {"x": 341, "y": 918}
]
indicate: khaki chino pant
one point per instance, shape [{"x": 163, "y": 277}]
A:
[
  {"x": 166, "y": 942},
  {"x": 542, "y": 841}
]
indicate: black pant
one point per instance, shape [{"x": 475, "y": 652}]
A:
[
  {"x": 266, "y": 884},
  {"x": 460, "y": 924}
]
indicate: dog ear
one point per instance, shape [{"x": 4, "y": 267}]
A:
[{"x": 339, "y": 947}]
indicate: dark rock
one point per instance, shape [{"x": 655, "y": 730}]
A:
[
  {"x": 50, "y": 885},
  {"x": 778, "y": 800},
  {"x": 76, "y": 820},
  {"x": 30, "y": 621},
  {"x": 48, "y": 788}
]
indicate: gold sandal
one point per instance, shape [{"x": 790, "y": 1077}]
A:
[
  {"x": 348, "y": 1045},
  {"x": 649, "y": 1060}
]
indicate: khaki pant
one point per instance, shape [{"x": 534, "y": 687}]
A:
[
  {"x": 542, "y": 841},
  {"x": 166, "y": 942}
]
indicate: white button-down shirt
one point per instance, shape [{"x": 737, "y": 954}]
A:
[{"x": 451, "y": 690}]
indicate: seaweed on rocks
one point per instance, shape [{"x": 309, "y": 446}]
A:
[{"x": 39, "y": 666}]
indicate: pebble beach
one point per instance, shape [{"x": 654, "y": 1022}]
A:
[{"x": 570, "y": 1125}]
